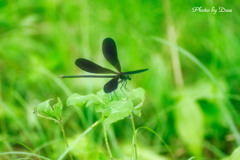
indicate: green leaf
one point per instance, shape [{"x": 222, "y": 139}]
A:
[
  {"x": 189, "y": 124},
  {"x": 114, "y": 106},
  {"x": 80, "y": 100},
  {"x": 106, "y": 98},
  {"x": 117, "y": 106},
  {"x": 137, "y": 97},
  {"x": 116, "y": 110},
  {"x": 58, "y": 108},
  {"x": 46, "y": 109}
]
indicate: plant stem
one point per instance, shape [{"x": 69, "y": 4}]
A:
[
  {"x": 49, "y": 118},
  {"x": 159, "y": 137},
  {"x": 134, "y": 138},
  {"x": 172, "y": 37},
  {"x": 106, "y": 141},
  {"x": 64, "y": 137},
  {"x": 79, "y": 138}
]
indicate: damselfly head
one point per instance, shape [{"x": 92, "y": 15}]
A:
[{"x": 128, "y": 77}]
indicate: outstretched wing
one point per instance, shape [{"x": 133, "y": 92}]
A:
[
  {"x": 135, "y": 72},
  {"x": 111, "y": 85},
  {"x": 110, "y": 52},
  {"x": 91, "y": 67}
]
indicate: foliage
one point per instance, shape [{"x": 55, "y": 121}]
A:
[
  {"x": 40, "y": 41},
  {"x": 112, "y": 106},
  {"x": 46, "y": 109}
]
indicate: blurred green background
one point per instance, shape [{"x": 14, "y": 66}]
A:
[{"x": 193, "y": 106}]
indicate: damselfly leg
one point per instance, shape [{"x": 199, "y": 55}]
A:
[{"x": 123, "y": 85}]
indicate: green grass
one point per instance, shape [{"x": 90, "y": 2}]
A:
[{"x": 40, "y": 41}]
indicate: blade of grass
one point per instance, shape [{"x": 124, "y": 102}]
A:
[
  {"x": 24, "y": 145},
  {"x": 159, "y": 137},
  {"x": 57, "y": 80},
  {"x": 20, "y": 99},
  {"x": 113, "y": 142},
  {"x": 223, "y": 108},
  {"x": 214, "y": 149},
  {"x": 15, "y": 118},
  {"x": 79, "y": 138},
  {"x": 134, "y": 144},
  {"x": 106, "y": 142},
  {"x": 65, "y": 139},
  {"x": 23, "y": 153},
  {"x": 172, "y": 37},
  {"x": 191, "y": 57},
  {"x": 46, "y": 144}
]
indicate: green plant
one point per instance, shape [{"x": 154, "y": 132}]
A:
[
  {"x": 52, "y": 112},
  {"x": 113, "y": 108}
]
